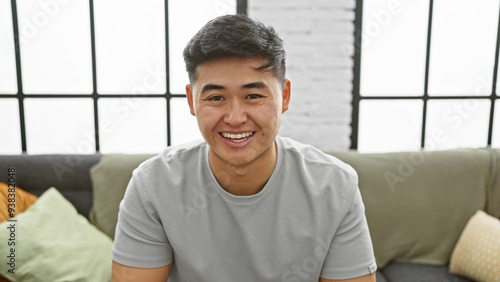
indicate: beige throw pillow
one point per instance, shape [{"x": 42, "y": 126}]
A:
[{"x": 477, "y": 253}]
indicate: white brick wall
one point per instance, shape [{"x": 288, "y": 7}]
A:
[{"x": 319, "y": 40}]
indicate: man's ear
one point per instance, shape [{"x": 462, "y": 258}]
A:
[
  {"x": 287, "y": 91},
  {"x": 189, "y": 95}
]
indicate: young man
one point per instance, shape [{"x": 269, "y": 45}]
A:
[{"x": 245, "y": 204}]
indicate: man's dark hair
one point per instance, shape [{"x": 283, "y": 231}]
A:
[{"x": 235, "y": 36}]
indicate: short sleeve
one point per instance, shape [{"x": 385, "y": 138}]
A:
[
  {"x": 351, "y": 252},
  {"x": 140, "y": 240}
]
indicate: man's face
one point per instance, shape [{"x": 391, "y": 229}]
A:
[{"x": 238, "y": 108}]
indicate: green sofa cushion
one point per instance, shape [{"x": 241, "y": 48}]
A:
[
  {"x": 110, "y": 178},
  {"x": 54, "y": 243},
  {"x": 417, "y": 203}
]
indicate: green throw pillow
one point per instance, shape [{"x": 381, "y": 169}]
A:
[
  {"x": 110, "y": 178},
  {"x": 50, "y": 241}
]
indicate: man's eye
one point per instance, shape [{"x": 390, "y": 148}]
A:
[
  {"x": 216, "y": 98},
  {"x": 253, "y": 96}
]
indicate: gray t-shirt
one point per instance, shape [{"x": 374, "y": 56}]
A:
[{"x": 307, "y": 222}]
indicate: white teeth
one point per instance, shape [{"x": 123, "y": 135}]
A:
[{"x": 237, "y": 137}]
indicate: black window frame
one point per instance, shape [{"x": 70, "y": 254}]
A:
[
  {"x": 425, "y": 98},
  {"x": 241, "y": 8}
]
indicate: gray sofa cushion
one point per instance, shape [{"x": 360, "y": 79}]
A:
[
  {"x": 412, "y": 272},
  {"x": 381, "y": 276},
  {"x": 68, "y": 173}
]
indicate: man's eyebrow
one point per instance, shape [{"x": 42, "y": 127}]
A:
[
  {"x": 208, "y": 87},
  {"x": 258, "y": 85}
]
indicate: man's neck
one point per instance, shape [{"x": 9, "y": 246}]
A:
[{"x": 245, "y": 180}]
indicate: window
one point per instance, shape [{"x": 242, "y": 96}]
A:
[
  {"x": 98, "y": 76},
  {"x": 426, "y": 75}
]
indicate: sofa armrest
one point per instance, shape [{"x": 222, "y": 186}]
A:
[{"x": 68, "y": 173}]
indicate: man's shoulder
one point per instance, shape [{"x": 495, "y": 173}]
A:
[
  {"x": 313, "y": 158},
  {"x": 175, "y": 157},
  {"x": 324, "y": 175}
]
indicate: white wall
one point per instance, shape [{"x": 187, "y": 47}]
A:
[{"x": 319, "y": 40}]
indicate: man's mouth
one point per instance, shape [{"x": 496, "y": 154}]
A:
[{"x": 237, "y": 138}]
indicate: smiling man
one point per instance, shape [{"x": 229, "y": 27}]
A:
[{"x": 244, "y": 204}]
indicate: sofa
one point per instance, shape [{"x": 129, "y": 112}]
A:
[{"x": 417, "y": 203}]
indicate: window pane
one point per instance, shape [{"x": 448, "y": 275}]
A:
[
  {"x": 182, "y": 28},
  {"x": 463, "y": 42},
  {"x": 8, "y": 75},
  {"x": 457, "y": 124},
  {"x": 10, "y": 143},
  {"x": 394, "y": 47},
  {"x": 390, "y": 125},
  {"x": 495, "y": 142},
  {"x": 59, "y": 125},
  {"x": 184, "y": 127},
  {"x": 130, "y": 46},
  {"x": 132, "y": 125},
  {"x": 55, "y": 47}
]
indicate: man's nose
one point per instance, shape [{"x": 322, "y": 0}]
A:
[{"x": 236, "y": 113}]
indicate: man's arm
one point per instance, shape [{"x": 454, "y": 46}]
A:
[
  {"x": 122, "y": 273},
  {"x": 367, "y": 278}
]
